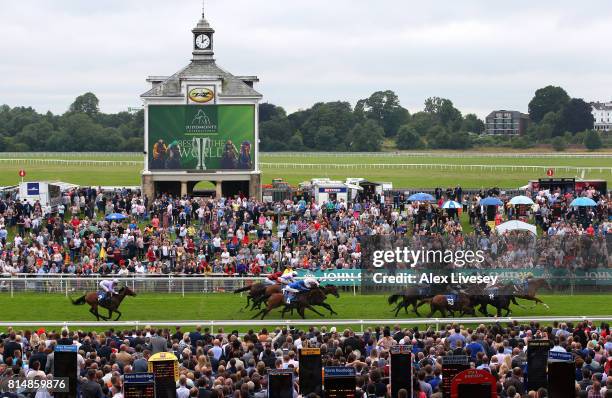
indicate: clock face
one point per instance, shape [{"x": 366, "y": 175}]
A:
[{"x": 202, "y": 41}]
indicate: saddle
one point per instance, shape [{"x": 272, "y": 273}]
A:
[
  {"x": 451, "y": 298},
  {"x": 103, "y": 297}
]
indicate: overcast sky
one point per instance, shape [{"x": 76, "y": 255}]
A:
[{"x": 481, "y": 54}]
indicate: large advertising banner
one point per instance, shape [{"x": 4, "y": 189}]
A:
[{"x": 201, "y": 137}]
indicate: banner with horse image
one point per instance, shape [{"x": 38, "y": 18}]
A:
[{"x": 201, "y": 137}]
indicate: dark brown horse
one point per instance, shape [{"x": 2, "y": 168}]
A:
[
  {"x": 412, "y": 296},
  {"x": 258, "y": 293},
  {"x": 529, "y": 290},
  {"x": 301, "y": 302},
  {"x": 111, "y": 305},
  {"x": 306, "y": 300},
  {"x": 442, "y": 303}
]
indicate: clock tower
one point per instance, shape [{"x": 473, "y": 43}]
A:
[{"x": 203, "y": 40}]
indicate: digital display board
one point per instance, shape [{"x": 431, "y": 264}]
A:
[
  {"x": 65, "y": 365},
  {"x": 537, "y": 360},
  {"x": 201, "y": 137},
  {"x": 138, "y": 385},
  {"x": 452, "y": 365},
  {"x": 339, "y": 382},
  {"x": 401, "y": 369},
  {"x": 280, "y": 384},
  {"x": 310, "y": 371}
]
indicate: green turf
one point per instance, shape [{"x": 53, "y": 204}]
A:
[
  {"x": 223, "y": 306},
  {"x": 423, "y": 177}
]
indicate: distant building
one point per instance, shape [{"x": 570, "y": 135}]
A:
[
  {"x": 602, "y": 113},
  {"x": 505, "y": 122}
]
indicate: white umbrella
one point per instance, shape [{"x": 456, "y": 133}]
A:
[
  {"x": 514, "y": 225},
  {"x": 451, "y": 204},
  {"x": 521, "y": 200}
]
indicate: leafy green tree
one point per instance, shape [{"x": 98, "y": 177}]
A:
[
  {"x": 86, "y": 103},
  {"x": 337, "y": 115},
  {"x": 409, "y": 138},
  {"x": 577, "y": 116},
  {"x": 592, "y": 140},
  {"x": 545, "y": 100},
  {"x": 444, "y": 112},
  {"x": 83, "y": 132},
  {"x": 472, "y": 124},
  {"x": 553, "y": 119},
  {"x": 422, "y": 122},
  {"x": 383, "y": 107},
  {"x": 35, "y": 135},
  {"x": 559, "y": 144},
  {"x": 295, "y": 142},
  {"x": 325, "y": 139},
  {"x": 366, "y": 137}
]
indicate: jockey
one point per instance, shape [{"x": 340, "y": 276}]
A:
[
  {"x": 108, "y": 287},
  {"x": 521, "y": 286},
  {"x": 280, "y": 278},
  {"x": 303, "y": 285},
  {"x": 287, "y": 278},
  {"x": 272, "y": 279}
]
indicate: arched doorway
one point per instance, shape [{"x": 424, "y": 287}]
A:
[{"x": 204, "y": 188}]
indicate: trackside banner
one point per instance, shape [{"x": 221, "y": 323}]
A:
[{"x": 557, "y": 277}]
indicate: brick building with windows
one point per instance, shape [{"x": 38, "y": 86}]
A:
[{"x": 503, "y": 122}]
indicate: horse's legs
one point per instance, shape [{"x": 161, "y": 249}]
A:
[
  {"x": 310, "y": 307},
  {"x": 432, "y": 309},
  {"x": 397, "y": 309},
  {"x": 118, "y": 315},
  {"x": 416, "y": 308},
  {"x": 265, "y": 312},
  {"x": 94, "y": 312},
  {"x": 329, "y": 308}
]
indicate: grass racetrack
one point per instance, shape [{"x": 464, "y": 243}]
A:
[
  {"x": 24, "y": 307},
  {"x": 304, "y": 166}
]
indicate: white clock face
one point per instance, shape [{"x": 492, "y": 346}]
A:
[{"x": 202, "y": 41}]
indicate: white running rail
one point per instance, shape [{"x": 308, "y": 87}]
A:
[{"x": 361, "y": 323}]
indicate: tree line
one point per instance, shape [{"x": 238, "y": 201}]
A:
[
  {"x": 372, "y": 125},
  {"x": 82, "y": 128},
  {"x": 556, "y": 119}
]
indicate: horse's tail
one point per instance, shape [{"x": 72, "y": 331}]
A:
[
  {"x": 393, "y": 298},
  {"x": 242, "y": 289},
  {"x": 80, "y": 301}
]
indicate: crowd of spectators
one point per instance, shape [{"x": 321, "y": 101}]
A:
[
  {"x": 240, "y": 236},
  {"x": 219, "y": 364}
]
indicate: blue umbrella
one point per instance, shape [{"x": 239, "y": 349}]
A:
[
  {"x": 115, "y": 217},
  {"x": 583, "y": 202},
  {"x": 421, "y": 197},
  {"x": 451, "y": 204},
  {"x": 490, "y": 201}
]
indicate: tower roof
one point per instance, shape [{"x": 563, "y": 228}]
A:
[{"x": 231, "y": 86}]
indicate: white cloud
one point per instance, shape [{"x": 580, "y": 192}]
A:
[{"x": 482, "y": 55}]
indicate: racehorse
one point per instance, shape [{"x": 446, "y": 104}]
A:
[
  {"x": 498, "y": 296},
  {"x": 258, "y": 293},
  {"x": 301, "y": 302},
  {"x": 442, "y": 303},
  {"x": 411, "y": 296},
  {"x": 530, "y": 289},
  {"x": 304, "y": 300},
  {"x": 111, "y": 305}
]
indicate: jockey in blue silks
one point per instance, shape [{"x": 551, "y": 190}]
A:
[{"x": 303, "y": 285}]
